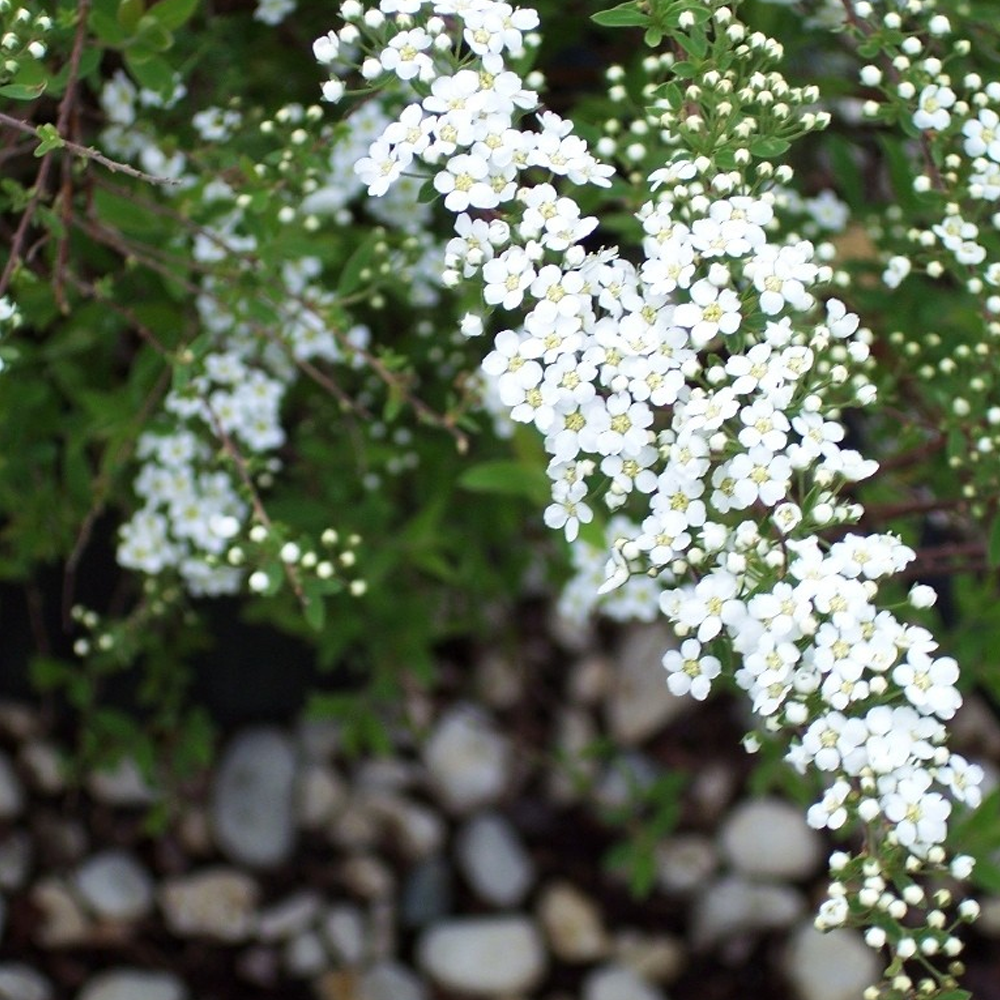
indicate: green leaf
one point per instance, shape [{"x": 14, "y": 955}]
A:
[
  {"x": 315, "y": 613},
  {"x": 696, "y": 43},
  {"x": 107, "y": 29},
  {"x": 23, "y": 91},
  {"x": 684, "y": 70},
  {"x": 51, "y": 139},
  {"x": 122, "y": 213},
  {"x": 993, "y": 549},
  {"x": 626, "y": 15},
  {"x": 130, "y": 14},
  {"x": 506, "y": 478},
  {"x": 350, "y": 277},
  {"x": 152, "y": 35},
  {"x": 671, "y": 93},
  {"x": 151, "y": 71},
  {"x": 956, "y": 445},
  {"x": 173, "y": 13},
  {"x": 850, "y": 183},
  {"x": 768, "y": 147},
  {"x": 901, "y": 171},
  {"x": 954, "y": 995}
]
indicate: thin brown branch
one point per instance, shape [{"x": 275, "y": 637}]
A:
[
  {"x": 93, "y": 292},
  {"x": 881, "y": 513},
  {"x": 913, "y": 456},
  {"x": 277, "y": 296},
  {"x": 41, "y": 179},
  {"x": 862, "y": 29},
  {"x": 89, "y": 153},
  {"x": 100, "y": 491},
  {"x": 243, "y": 471}
]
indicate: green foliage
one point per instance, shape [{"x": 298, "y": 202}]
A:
[
  {"x": 651, "y": 814},
  {"x": 113, "y": 302}
]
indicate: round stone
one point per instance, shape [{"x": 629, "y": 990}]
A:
[
  {"x": 468, "y": 760},
  {"x": 836, "y": 965},
  {"x": 11, "y": 790},
  {"x": 572, "y": 924},
  {"x": 733, "y": 906},
  {"x": 217, "y": 902},
  {"x": 493, "y": 860},
  {"x": 616, "y": 982},
  {"x": 21, "y": 982},
  {"x": 115, "y": 886},
  {"x": 769, "y": 838},
  {"x": 483, "y": 956},
  {"x": 128, "y": 984},
  {"x": 390, "y": 981},
  {"x": 252, "y": 807}
]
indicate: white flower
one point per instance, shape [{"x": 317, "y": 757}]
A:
[
  {"x": 963, "y": 780},
  {"x": 689, "y": 671},
  {"x": 507, "y": 277},
  {"x": 982, "y": 135},
  {"x": 781, "y": 275},
  {"x": 929, "y": 684},
  {"x": 567, "y": 511},
  {"x": 920, "y": 815},
  {"x": 710, "y": 604},
  {"x": 711, "y": 311},
  {"x": 379, "y": 168},
  {"x": 326, "y": 48},
  {"x": 513, "y": 369},
  {"x": 464, "y": 184},
  {"x": 932, "y": 108}
]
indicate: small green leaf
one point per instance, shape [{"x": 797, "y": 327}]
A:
[
  {"x": 506, "y": 478},
  {"x": 671, "y": 93},
  {"x": 152, "y": 35},
  {"x": 684, "y": 70},
  {"x": 695, "y": 43},
  {"x": 150, "y": 70},
  {"x": 954, "y": 995},
  {"x": 23, "y": 91},
  {"x": 626, "y": 15},
  {"x": 123, "y": 213},
  {"x": 956, "y": 446},
  {"x": 768, "y": 147},
  {"x": 130, "y": 13},
  {"x": 171, "y": 14},
  {"x": 993, "y": 549},
  {"x": 51, "y": 139},
  {"x": 351, "y": 276},
  {"x": 315, "y": 613}
]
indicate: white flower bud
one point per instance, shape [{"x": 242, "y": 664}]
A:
[{"x": 922, "y": 596}]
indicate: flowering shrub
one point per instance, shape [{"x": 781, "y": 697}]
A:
[
  {"x": 708, "y": 360},
  {"x": 697, "y": 387}
]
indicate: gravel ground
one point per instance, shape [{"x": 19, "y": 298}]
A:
[{"x": 471, "y": 862}]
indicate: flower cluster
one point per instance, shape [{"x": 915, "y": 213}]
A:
[
  {"x": 22, "y": 38},
  {"x": 920, "y": 77},
  {"x": 697, "y": 394}
]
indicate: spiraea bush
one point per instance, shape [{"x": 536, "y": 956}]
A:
[{"x": 335, "y": 317}]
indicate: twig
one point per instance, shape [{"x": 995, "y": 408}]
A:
[
  {"x": 277, "y": 297},
  {"x": 925, "y": 147},
  {"x": 65, "y": 107},
  {"x": 100, "y": 491},
  {"x": 237, "y": 458},
  {"x": 89, "y": 153}
]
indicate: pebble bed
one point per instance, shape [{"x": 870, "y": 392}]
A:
[{"x": 469, "y": 863}]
